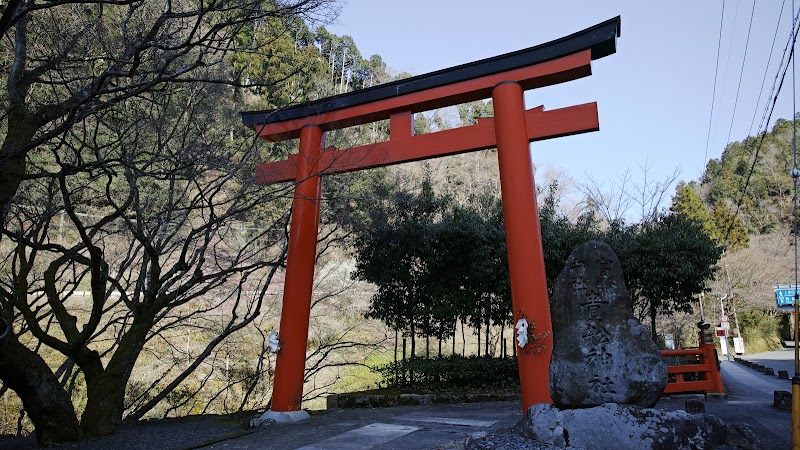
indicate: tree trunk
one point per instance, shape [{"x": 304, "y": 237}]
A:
[
  {"x": 404, "y": 360},
  {"x": 45, "y": 401},
  {"x": 23, "y": 371},
  {"x": 455, "y": 330},
  {"x": 479, "y": 339},
  {"x": 502, "y": 339},
  {"x": 105, "y": 388},
  {"x": 396, "y": 332},
  {"x": 413, "y": 342},
  {"x": 427, "y": 347},
  {"x": 413, "y": 352},
  {"x": 12, "y": 171},
  {"x": 653, "y": 322},
  {"x": 440, "y": 347},
  {"x": 20, "y": 130},
  {"x": 463, "y": 341},
  {"x": 487, "y": 338}
]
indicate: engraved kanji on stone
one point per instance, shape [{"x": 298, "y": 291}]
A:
[
  {"x": 597, "y": 355},
  {"x": 593, "y": 312},
  {"x": 605, "y": 271},
  {"x": 591, "y": 304},
  {"x": 596, "y": 340},
  {"x": 578, "y": 280},
  {"x": 579, "y": 285},
  {"x": 597, "y": 332},
  {"x": 602, "y": 384}
]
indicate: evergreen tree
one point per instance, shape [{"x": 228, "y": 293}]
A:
[
  {"x": 721, "y": 225},
  {"x": 469, "y": 113},
  {"x": 395, "y": 253},
  {"x": 666, "y": 261},
  {"x": 729, "y": 229},
  {"x": 687, "y": 202}
]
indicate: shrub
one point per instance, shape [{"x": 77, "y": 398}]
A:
[
  {"x": 760, "y": 331},
  {"x": 453, "y": 371}
]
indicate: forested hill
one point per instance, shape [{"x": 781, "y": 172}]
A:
[
  {"x": 766, "y": 159},
  {"x": 294, "y": 64},
  {"x": 744, "y": 201}
]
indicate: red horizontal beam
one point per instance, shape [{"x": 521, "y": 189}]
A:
[
  {"x": 689, "y": 386},
  {"x": 551, "y": 72},
  {"x": 403, "y": 147},
  {"x": 688, "y": 368},
  {"x": 683, "y": 352}
]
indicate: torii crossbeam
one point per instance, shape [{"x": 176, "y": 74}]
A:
[{"x": 504, "y": 78}]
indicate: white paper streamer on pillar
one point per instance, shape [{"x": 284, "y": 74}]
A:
[
  {"x": 273, "y": 343},
  {"x": 522, "y": 332}
]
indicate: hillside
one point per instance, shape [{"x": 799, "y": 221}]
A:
[{"x": 752, "y": 180}]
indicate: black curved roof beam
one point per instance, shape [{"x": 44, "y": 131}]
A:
[{"x": 600, "y": 39}]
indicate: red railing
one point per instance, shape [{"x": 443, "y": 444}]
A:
[{"x": 703, "y": 361}]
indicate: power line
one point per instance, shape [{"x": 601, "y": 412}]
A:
[
  {"x": 792, "y": 40},
  {"x": 714, "y": 92},
  {"x": 795, "y": 175},
  {"x": 777, "y": 75},
  {"x": 766, "y": 69},
  {"x": 741, "y": 72},
  {"x": 728, "y": 61}
]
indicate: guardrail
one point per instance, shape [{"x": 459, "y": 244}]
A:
[{"x": 702, "y": 361}]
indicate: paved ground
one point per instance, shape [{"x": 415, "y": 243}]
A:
[
  {"x": 401, "y": 428},
  {"x": 750, "y": 395},
  {"x": 782, "y": 359}
]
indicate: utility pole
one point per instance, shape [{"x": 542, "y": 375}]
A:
[
  {"x": 795, "y": 175},
  {"x": 736, "y": 318},
  {"x": 724, "y": 340}
]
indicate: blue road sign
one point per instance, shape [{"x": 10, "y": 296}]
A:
[{"x": 785, "y": 296}]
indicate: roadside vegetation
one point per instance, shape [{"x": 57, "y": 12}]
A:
[{"x": 453, "y": 373}]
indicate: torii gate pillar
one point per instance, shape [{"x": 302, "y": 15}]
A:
[
  {"x": 523, "y": 237},
  {"x": 291, "y": 361}
]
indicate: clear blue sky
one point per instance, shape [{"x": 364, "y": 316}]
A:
[{"x": 653, "y": 95}]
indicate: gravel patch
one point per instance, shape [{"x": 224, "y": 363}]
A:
[{"x": 506, "y": 440}]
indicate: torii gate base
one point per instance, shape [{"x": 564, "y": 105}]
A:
[{"x": 504, "y": 78}]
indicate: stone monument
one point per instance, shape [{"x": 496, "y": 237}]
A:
[
  {"x": 605, "y": 373},
  {"x": 601, "y": 354}
]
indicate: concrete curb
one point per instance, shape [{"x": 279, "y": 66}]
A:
[
  {"x": 355, "y": 400},
  {"x": 783, "y": 400},
  {"x": 768, "y": 371}
]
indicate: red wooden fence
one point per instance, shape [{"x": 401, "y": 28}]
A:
[{"x": 701, "y": 360}]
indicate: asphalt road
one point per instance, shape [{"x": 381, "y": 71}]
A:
[
  {"x": 782, "y": 359},
  {"x": 751, "y": 395},
  {"x": 750, "y": 400}
]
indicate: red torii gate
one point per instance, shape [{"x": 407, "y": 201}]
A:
[{"x": 503, "y": 78}]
